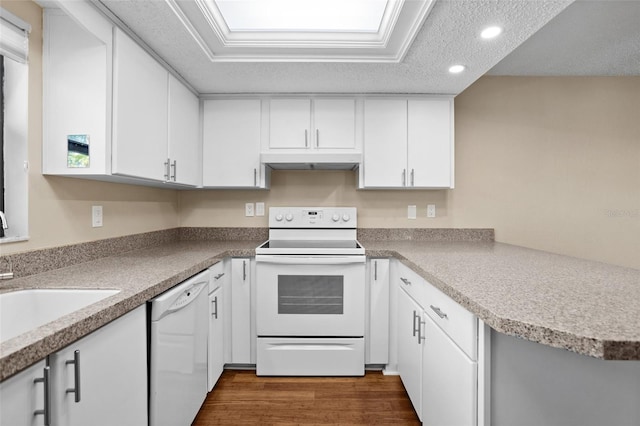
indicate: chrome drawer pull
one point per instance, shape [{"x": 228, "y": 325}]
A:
[
  {"x": 217, "y": 277},
  {"x": 406, "y": 281},
  {"x": 415, "y": 330},
  {"x": 421, "y": 338},
  {"x": 438, "y": 311}
]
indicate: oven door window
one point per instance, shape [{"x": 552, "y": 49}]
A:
[{"x": 311, "y": 294}]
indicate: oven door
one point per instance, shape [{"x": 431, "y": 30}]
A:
[{"x": 310, "y": 295}]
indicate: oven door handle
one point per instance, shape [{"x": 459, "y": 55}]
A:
[{"x": 307, "y": 260}]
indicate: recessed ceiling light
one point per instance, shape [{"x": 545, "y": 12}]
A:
[
  {"x": 456, "y": 69},
  {"x": 491, "y": 32}
]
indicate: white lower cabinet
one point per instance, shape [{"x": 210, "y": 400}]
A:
[
  {"x": 410, "y": 349},
  {"x": 377, "y": 327},
  {"x": 216, "y": 337},
  {"x": 437, "y": 353},
  {"x": 241, "y": 311},
  {"x": 102, "y": 378},
  {"x": 99, "y": 380},
  {"x": 22, "y": 397},
  {"x": 449, "y": 390}
]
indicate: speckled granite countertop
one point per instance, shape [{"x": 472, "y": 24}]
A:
[
  {"x": 140, "y": 275},
  {"x": 587, "y": 307}
]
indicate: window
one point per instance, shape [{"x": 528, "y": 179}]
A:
[{"x": 13, "y": 125}]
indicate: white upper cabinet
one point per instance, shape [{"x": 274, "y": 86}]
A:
[
  {"x": 231, "y": 144},
  {"x": 334, "y": 123},
  {"x": 140, "y": 113},
  {"x": 312, "y": 124},
  {"x": 184, "y": 124},
  {"x": 385, "y": 143},
  {"x": 429, "y": 143},
  {"x": 290, "y": 123},
  {"x": 408, "y": 143},
  {"x": 111, "y": 111}
]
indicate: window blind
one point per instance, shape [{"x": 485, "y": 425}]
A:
[{"x": 14, "y": 37}]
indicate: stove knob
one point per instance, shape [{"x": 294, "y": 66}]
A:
[
  {"x": 335, "y": 217},
  {"x": 289, "y": 217},
  {"x": 279, "y": 217},
  {"x": 346, "y": 217}
]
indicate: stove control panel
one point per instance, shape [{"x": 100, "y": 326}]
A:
[{"x": 312, "y": 217}]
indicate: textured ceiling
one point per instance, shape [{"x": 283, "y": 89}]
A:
[
  {"x": 588, "y": 38},
  {"x": 449, "y": 36}
]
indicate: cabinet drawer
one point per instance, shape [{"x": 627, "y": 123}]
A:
[
  {"x": 458, "y": 323},
  {"x": 217, "y": 276},
  {"x": 413, "y": 284}
]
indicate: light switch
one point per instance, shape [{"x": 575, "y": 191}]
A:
[
  {"x": 411, "y": 212},
  {"x": 259, "y": 209}
]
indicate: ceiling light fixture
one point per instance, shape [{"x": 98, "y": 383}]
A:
[
  {"x": 491, "y": 32},
  {"x": 456, "y": 69}
]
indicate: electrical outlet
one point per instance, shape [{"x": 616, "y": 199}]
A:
[
  {"x": 259, "y": 209},
  {"x": 249, "y": 210},
  {"x": 411, "y": 212},
  {"x": 96, "y": 216},
  {"x": 431, "y": 210}
]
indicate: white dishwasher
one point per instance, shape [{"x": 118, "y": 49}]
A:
[{"x": 178, "y": 364}]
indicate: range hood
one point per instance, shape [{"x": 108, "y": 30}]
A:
[{"x": 311, "y": 161}]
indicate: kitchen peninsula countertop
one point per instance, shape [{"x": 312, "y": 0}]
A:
[{"x": 587, "y": 307}]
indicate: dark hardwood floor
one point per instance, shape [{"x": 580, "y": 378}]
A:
[{"x": 242, "y": 398}]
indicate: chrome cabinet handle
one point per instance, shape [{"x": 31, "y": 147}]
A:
[
  {"x": 404, "y": 177},
  {"x": 255, "y": 177},
  {"x": 438, "y": 311},
  {"x": 406, "y": 281},
  {"x": 167, "y": 174},
  {"x": 214, "y": 314},
  {"x": 412, "y": 177},
  {"x": 76, "y": 373},
  {"x": 45, "y": 380},
  {"x": 415, "y": 316},
  {"x": 317, "y": 138},
  {"x": 306, "y": 138},
  {"x": 375, "y": 270},
  {"x": 421, "y": 338},
  {"x": 220, "y": 275},
  {"x": 244, "y": 270},
  {"x": 174, "y": 166}
]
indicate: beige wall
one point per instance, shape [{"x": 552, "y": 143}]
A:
[
  {"x": 60, "y": 208},
  {"x": 550, "y": 163}
]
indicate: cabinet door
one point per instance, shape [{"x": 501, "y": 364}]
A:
[
  {"x": 449, "y": 381},
  {"x": 335, "y": 123},
  {"x": 290, "y": 123},
  {"x": 430, "y": 143},
  {"x": 110, "y": 378},
  {"x": 241, "y": 311},
  {"x": 410, "y": 348},
  {"x": 378, "y": 338},
  {"x": 231, "y": 143},
  {"x": 21, "y": 397},
  {"x": 385, "y": 143},
  {"x": 216, "y": 337},
  {"x": 184, "y": 122},
  {"x": 139, "y": 112}
]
